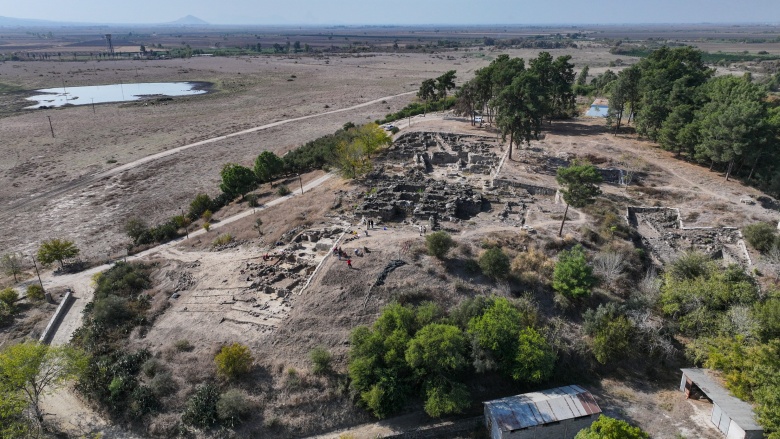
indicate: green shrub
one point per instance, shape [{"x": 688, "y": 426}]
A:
[
  {"x": 151, "y": 367},
  {"x": 233, "y": 407},
  {"x": 199, "y": 205},
  {"x": 9, "y": 296},
  {"x": 535, "y": 358},
  {"x": 767, "y": 314},
  {"x": 283, "y": 190},
  {"x": 609, "y": 428},
  {"x": 163, "y": 384},
  {"x": 35, "y": 293},
  {"x": 439, "y": 243},
  {"x": 761, "y": 236},
  {"x": 137, "y": 230},
  {"x": 698, "y": 304},
  {"x": 495, "y": 263},
  {"x": 143, "y": 401},
  {"x": 225, "y": 238},
  {"x": 183, "y": 345},
  {"x": 201, "y": 409},
  {"x": 573, "y": 277},
  {"x": 207, "y": 215},
  {"x": 233, "y": 361},
  {"x": 206, "y": 226},
  {"x": 613, "y": 340},
  {"x": 111, "y": 310},
  {"x": 320, "y": 360},
  {"x": 690, "y": 265}
]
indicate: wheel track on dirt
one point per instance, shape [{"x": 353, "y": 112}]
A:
[{"x": 90, "y": 179}]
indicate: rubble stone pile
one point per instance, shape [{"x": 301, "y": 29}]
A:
[
  {"x": 475, "y": 154},
  {"x": 414, "y": 196},
  {"x": 665, "y": 236}
]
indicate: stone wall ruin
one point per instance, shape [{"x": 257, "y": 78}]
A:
[{"x": 665, "y": 236}]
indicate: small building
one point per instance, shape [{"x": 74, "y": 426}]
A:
[
  {"x": 599, "y": 108},
  {"x": 732, "y": 416},
  {"x": 558, "y": 413}
]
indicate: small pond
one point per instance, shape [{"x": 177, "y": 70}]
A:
[
  {"x": 98, "y": 94},
  {"x": 598, "y": 111}
]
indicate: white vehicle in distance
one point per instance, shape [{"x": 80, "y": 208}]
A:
[
  {"x": 478, "y": 119},
  {"x": 388, "y": 127}
]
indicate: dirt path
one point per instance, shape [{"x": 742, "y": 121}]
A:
[
  {"x": 83, "y": 182},
  {"x": 80, "y": 283}
]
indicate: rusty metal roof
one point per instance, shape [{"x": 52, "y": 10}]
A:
[{"x": 539, "y": 408}]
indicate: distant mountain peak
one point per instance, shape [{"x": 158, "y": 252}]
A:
[{"x": 189, "y": 20}]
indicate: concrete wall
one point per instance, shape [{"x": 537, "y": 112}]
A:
[
  {"x": 56, "y": 319},
  {"x": 564, "y": 430}
]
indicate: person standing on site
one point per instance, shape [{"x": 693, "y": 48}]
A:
[{"x": 349, "y": 263}]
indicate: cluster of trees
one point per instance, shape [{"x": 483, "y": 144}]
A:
[
  {"x": 427, "y": 352},
  {"x": 520, "y": 97},
  {"x": 436, "y": 89},
  {"x": 351, "y": 155},
  {"x": 730, "y": 325},
  {"x": 725, "y": 122}
]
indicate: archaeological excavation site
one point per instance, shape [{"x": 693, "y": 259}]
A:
[{"x": 340, "y": 236}]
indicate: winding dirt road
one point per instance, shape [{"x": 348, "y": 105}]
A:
[{"x": 87, "y": 180}]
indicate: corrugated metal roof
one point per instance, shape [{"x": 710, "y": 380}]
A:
[
  {"x": 539, "y": 408},
  {"x": 737, "y": 410}
]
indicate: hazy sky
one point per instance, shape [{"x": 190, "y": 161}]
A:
[{"x": 398, "y": 11}]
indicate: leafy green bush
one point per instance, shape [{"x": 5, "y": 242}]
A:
[
  {"x": 143, "y": 401},
  {"x": 233, "y": 361},
  {"x": 495, "y": 263},
  {"x": 201, "y": 409},
  {"x": 573, "y": 277},
  {"x": 200, "y": 204},
  {"x": 137, "y": 230},
  {"x": 163, "y": 384},
  {"x": 111, "y": 310},
  {"x": 35, "y": 293},
  {"x": 225, "y": 238},
  {"x": 761, "y": 236},
  {"x": 613, "y": 340},
  {"x": 499, "y": 333},
  {"x": 9, "y": 296},
  {"x": 183, "y": 345},
  {"x": 690, "y": 265},
  {"x": 283, "y": 190},
  {"x": 233, "y": 407},
  {"x": 439, "y": 243},
  {"x": 152, "y": 367},
  {"x": 767, "y": 314},
  {"x": 610, "y": 428},
  {"x": 320, "y": 360},
  {"x": 535, "y": 358}
]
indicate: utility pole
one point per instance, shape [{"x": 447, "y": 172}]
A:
[
  {"x": 93, "y": 105},
  {"x": 36, "y": 272},
  {"x": 300, "y": 180},
  {"x": 51, "y": 127}
]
